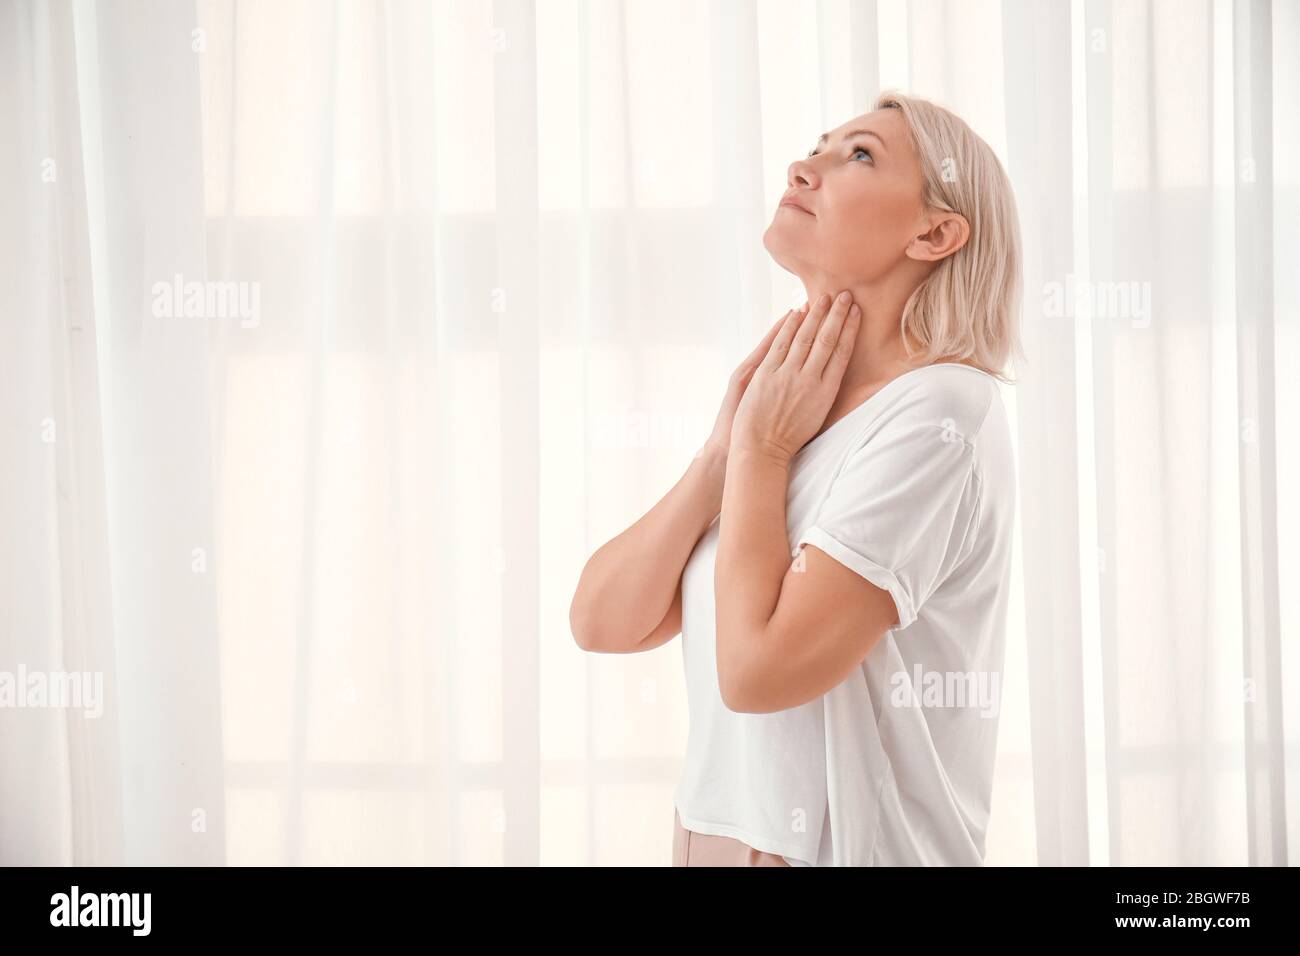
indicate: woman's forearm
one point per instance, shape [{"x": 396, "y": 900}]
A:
[
  {"x": 628, "y": 585},
  {"x": 753, "y": 557}
]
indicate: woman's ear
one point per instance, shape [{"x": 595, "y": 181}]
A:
[{"x": 948, "y": 232}]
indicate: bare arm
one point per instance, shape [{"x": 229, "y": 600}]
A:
[
  {"x": 629, "y": 597},
  {"x": 787, "y": 632}
]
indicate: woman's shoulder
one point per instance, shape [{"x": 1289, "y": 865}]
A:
[{"x": 950, "y": 396}]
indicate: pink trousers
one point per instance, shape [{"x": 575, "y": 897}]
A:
[{"x": 704, "y": 849}]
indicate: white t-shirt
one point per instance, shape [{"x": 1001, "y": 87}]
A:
[{"x": 914, "y": 490}]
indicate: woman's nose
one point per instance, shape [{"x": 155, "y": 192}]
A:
[{"x": 801, "y": 173}]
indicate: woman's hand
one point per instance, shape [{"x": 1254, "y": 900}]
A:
[
  {"x": 795, "y": 384},
  {"x": 720, "y": 440}
]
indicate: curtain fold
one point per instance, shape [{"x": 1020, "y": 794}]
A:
[
  {"x": 339, "y": 335},
  {"x": 154, "y": 367},
  {"x": 1039, "y": 159},
  {"x": 1263, "y": 677},
  {"x": 60, "y": 789}
]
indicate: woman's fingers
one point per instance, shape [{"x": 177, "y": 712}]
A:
[
  {"x": 838, "y": 363},
  {"x": 760, "y": 350},
  {"x": 781, "y": 345},
  {"x": 826, "y": 338},
  {"x": 806, "y": 334}
]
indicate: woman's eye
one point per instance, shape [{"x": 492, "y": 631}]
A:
[{"x": 860, "y": 149}]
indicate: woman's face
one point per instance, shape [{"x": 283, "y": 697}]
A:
[{"x": 861, "y": 189}]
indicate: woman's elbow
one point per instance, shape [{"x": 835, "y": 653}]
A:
[{"x": 580, "y": 629}]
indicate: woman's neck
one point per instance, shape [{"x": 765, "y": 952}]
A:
[{"x": 878, "y": 352}]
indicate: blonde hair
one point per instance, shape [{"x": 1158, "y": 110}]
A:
[{"x": 968, "y": 308}]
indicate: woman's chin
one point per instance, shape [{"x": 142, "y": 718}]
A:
[
  {"x": 777, "y": 241},
  {"x": 782, "y": 248}
]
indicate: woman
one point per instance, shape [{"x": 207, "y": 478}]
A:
[{"x": 843, "y": 704}]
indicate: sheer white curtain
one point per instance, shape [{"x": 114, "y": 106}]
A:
[{"x": 459, "y": 288}]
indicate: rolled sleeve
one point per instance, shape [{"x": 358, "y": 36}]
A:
[{"x": 901, "y": 513}]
